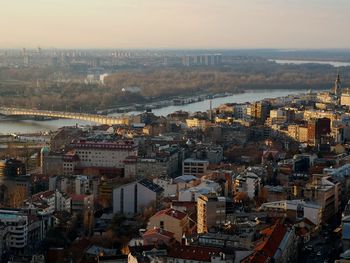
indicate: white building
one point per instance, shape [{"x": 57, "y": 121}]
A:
[
  {"x": 104, "y": 154},
  {"x": 206, "y": 187},
  {"x": 249, "y": 183},
  {"x": 298, "y": 208},
  {"x": 132, "y": 198},
  {"x": 85, "y": 185},
  {"x": 17, "y": 229},
  {"x": 173, "y": 186},
  {"x": 48, "y": 202},
  {"x": 240, "y": 111},
  {"x": 20, "y": 231}
]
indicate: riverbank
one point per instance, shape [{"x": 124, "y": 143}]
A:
[
  {"x": 248, "y": 96},
  {"x": 172, "y": 101},
  {"x": 33, "y": 126}
]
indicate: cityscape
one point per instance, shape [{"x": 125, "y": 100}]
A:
[{"x": 129, "y": 136}]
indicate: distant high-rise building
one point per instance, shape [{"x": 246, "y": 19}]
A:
[
  {"x": 26, "y": 60},
  {"x": 202, "y": 60},
  {"x": 186, "y": 61}
]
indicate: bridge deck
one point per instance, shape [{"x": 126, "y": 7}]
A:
[{"x": 102, "y": 119}]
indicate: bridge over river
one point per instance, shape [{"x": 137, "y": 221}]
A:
[{"x": 101, "y": 119}]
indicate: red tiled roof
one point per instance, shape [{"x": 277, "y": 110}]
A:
[
  {"x": 117, "y": 145},
  {"x": 266, "y": 249},
  {"x": 76, "y": 197},
  {"x": 159, "y": 232},
  {"x": 41, "y": 195},
  {"x": 193, "y": 253},
  {"x": 172, "y": 212}
]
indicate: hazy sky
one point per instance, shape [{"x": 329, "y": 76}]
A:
[{"x": 175, "y": 23}]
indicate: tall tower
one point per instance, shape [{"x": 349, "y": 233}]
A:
[{"x": 337, "y": 86}]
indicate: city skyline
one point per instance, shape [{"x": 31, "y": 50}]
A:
[{"x": 175, "y": 24}]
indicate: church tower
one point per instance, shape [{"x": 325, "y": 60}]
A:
[{"x": 337, "y": 86}]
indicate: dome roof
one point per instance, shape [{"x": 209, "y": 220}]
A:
[{"x": 45, "y": 150}]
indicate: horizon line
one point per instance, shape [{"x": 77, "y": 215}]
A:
[{"x": 179, "y": 49}]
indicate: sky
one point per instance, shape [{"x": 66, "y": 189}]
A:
[{"x": 217, "y": 24}]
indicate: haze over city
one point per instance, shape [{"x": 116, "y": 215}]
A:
[{"x": 174, "y": 24}]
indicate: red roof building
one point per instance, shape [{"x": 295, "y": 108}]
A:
[
  {"x": 266, "y": 250},
  {"x": 194, "y": 253},
  {"x": 157, "y": 236},
  {"x": 171, "y": 220}
]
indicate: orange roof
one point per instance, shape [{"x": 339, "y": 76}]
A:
[{"x": 266, "y": 249}]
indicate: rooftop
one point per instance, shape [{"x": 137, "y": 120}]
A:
[
  {"x": 191, "y": 160},
  {"x": 151, "y": 186},
  {"x": 194, "y": 253},
  {"x": 171, "y": 212},
  {"x": 158, "y": 231},
  {"x": 267, "y": 247}
]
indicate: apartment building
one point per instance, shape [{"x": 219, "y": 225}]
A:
[
  {"x": 103, "y": 155},
  {"x": 195, "y": 167},
  {"x": 211, "y": 212},
  {"x": 20, "y": 230},
  {"x": 326, "y": 192},
  {"x": 249, "y": 183}
]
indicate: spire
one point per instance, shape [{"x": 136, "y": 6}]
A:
[{"x": 337, "y": 85}]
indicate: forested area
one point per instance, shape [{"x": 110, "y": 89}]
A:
[{"x": 19, "y": 87}]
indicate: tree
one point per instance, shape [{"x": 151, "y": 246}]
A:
[{"x": 17, "y": 196}]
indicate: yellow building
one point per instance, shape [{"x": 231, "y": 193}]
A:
[
  {"x": 197, "y": 123},
  {"x": 211, "y": 212},
  {"x": 170, "y": 220},
  {"x": 345, "y": 98},
  {"x": 303, "y": 134},
  {"x": 293, "y": 131},
  {"x": 298, "y": 133}
]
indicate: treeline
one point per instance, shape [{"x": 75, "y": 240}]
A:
[
  {"x": 23, "y": 91},
  {"x": 174, "y": 82}
]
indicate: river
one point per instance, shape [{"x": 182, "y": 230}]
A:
[
  {"x": 335, "y": 64},
  {"x": 31, "y": 126}
]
